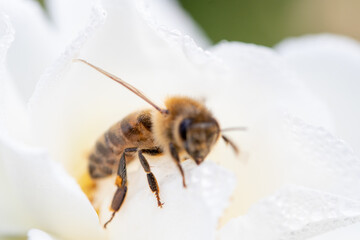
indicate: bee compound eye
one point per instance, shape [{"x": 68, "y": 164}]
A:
[{"x": 184, "y": 126}]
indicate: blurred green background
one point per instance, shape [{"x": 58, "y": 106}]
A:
[{"x": 267, "y": 22}]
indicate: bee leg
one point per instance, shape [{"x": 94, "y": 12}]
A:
[
  {"x": 150, "y": 176},
  {"x": 175, "y": 155},
  {"x": 121, "y": 183}
]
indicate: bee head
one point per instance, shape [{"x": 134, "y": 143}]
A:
[{"x": 198, "y": 137}]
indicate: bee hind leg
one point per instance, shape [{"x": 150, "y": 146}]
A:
[
  {"x": 150, "y": 176},
  {"x": 121, "y": 183}
]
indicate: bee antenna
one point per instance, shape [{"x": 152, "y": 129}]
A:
[
  {"x": 234, "y": 129},
  {"x": 125, "y": 84},
  {"x": 231, "y": 143}
]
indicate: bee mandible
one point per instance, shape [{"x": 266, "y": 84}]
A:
[{"x": 185, "y": 128}]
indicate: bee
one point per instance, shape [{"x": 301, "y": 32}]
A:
[{"x": 185, "y": 129}]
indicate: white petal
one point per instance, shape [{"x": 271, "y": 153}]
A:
[
  {"x": 263, "y": 83},
  {"x": 293, "y": 213},
  {"x": 351, "y": 232},
  {"x": 264, "y": 88},
  {"x": 330, "y": 66},
  {"x": 190, "y": 213},
  {"x": 319, "y": 160},
  {"x": 37, "y": 193},
  {"x": 308, "y": 156},
  {"x": 51, "y": 98},
  {"x": 35, "y": 234},
  {"x": 36, "y": 43},
  {"x": 170, "y": 15},
  {"x": 13, "y": 117},
  {"x": 70, "y": 15},
  {"x": 257, "y": 94}
]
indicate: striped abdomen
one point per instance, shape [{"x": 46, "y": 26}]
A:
[{"x": 133, "y": 131}]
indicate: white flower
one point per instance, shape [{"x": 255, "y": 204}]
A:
[{"x": 295, "y": 179}]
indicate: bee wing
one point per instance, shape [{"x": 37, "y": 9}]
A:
[{"x": 125, "y": 84}]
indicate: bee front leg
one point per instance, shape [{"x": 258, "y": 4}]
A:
[
  {"x": 121, "y": 183},
  {"x": 175, "y": 155},
  {"x": 150, "y": 176}
]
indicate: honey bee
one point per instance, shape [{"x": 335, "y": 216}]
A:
[{"x": 184, "y": 129}]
